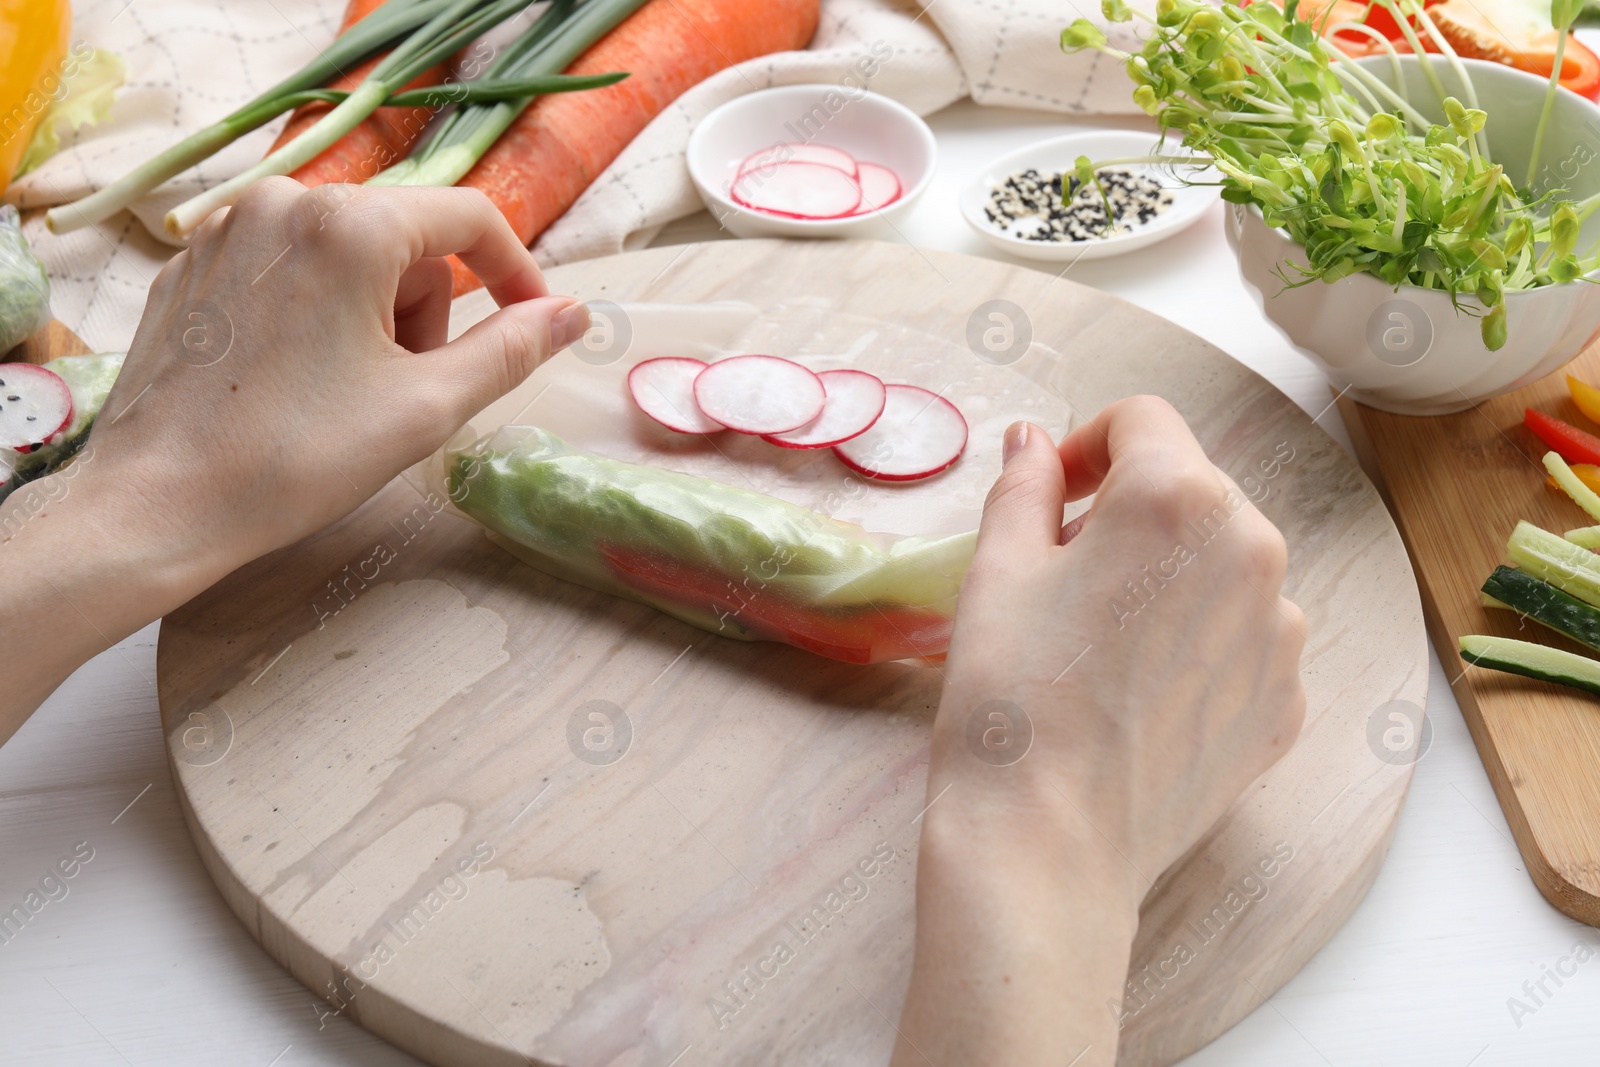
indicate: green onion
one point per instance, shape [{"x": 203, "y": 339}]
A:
[
  {"x": 387, "y": 24},
  {"x": 485, "y": 90},
  {"x": 548, "y": 47},
  {"x": 458, "y": 22}
]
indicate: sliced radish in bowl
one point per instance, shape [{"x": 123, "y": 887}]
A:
[
  {"x": 35, "y": 405},
  {"x": 664, "y": 390},
  {"x": 919, "y": 434},
  {"x": 880, "y": 187},
  {"x": 796, "y": 152},
  {"x": 854, "y": 401},
  {"x": 760, "y": 394},
  {"x": 798, "y": 190}
]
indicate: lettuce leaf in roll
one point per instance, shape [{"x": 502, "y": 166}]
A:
[{"x": 731, "y": 561}]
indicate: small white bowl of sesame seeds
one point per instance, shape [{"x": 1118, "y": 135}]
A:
[{"x": 1016, "y": 201}]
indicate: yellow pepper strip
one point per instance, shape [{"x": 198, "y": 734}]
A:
[{"x": 1586, "y": 396}]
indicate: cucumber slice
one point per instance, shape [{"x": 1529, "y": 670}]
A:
[
  {"x": 1532, "y": 661},
  {"x": 1581, "y": 494},
  {"x": 1544, "y": 604},
  {"x": 1571, "y": 568},
  {"x": 1587, "y": 536}
]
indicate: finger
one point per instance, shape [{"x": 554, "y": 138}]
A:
[
  {"x": 458, "y": 222},
  {"x": 495, "y": 355},
  {"x": 1022, "y": 515},
  {"x": 422, "y": 305},
  {"x": 1075, "y": 527},
  {"x": 1142, "y": 431}
]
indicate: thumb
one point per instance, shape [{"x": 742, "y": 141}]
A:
[
  {"x": 1022, "y": 515},
  {"x": 494, "y": 356}
]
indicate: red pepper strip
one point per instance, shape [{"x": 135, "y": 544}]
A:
[
  {"x": 1571, "y": 443},
  {"x": 862, "y": 636},
  {"x": 1580, "y": 69}
]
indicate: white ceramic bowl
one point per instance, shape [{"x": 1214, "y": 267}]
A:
[
  {"x": 1408, "y": 350},
  {"x": 870, "y": 127},
  {"x": 1057, "y": 155}
]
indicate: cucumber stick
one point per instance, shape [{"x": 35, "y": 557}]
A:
[
  {"x": 1544, "y": 604},
  {"x": 1532, "y": 661},
  {"x": 1587, "y": 536},
  {"x": 1581, "y": 494},
  {"x": 1571, "y": 568}
]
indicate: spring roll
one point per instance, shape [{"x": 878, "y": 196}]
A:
[{"x": 737, "y": 563}]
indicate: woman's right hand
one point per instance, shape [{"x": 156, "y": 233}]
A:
[
  {"x": 1112, "y": 688},
  {"x": 1153, "y": 653}
]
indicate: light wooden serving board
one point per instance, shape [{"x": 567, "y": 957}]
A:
[
  {"x": 49, "y": 342},
  {"x": 357, "y": 720},
  {"x": 1457, "y": 485}
]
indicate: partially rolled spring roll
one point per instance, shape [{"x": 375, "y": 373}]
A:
[{"x": 737, "y": 563}]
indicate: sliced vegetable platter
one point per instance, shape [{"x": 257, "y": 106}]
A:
[
  {"x": 1496, "y": 543},
  {"x": 657, "y": 802}
]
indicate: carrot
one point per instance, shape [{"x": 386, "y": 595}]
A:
[
  {"x": 555, "y": 149},
  {"x": 382, "y": 138}
]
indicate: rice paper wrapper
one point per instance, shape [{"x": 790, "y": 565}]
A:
[{"x": 727, "y": 532}]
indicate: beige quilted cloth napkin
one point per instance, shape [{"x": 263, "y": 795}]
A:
[{"x": 191, "y": 61}]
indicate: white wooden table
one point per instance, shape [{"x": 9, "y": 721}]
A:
[{"x": 141, "y": 963}]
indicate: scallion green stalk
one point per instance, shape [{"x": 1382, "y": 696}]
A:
[
  {"x": 386, "y": 24},
  {"x": 458, "y": 22},
  {"x": 546, "y": 49}
]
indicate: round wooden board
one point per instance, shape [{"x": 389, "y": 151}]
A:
[{"x": 379, "y": 734}]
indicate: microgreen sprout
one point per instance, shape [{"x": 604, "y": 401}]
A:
[{"x": 1341, "y": 160}]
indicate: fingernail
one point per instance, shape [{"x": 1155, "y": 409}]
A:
[
  {"x": 1016, "y": 437},
  {"x": 569, "y": 324}
]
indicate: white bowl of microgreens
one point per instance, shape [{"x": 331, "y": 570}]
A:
[{"x": 1382, "y": 209}]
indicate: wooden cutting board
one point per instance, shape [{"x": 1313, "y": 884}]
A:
[
  {"x": 498, "y": 818},
  {"x": 48, "y": 343},
  {"x": 1457, "y": 486}
]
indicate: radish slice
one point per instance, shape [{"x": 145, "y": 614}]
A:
[
  {"x": 918, "y": 435},
  {"x": 798, "y": 191},
  {"x": 855, "y": 400},
  {"x": 35, "y": 405},
  {"x": 880, "y": 187},
  {"x": 795, "y": 152},
  {"x": 760, "y": 394},
  {"x": 664, "y": 390}
]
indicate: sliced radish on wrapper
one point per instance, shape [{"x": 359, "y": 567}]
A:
[
  {"x": 664, "y": 390},
  {"x": 821, "y": 154},
  {"x": 854, "y": 401},
  {"x": 35, "y": 405},
  {"x": 760, "y": 394},
  {"x": 798, "y": 190},
  {"x": 918, "y": 435}
]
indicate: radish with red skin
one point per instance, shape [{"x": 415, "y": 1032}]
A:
[
  {"x": 35, "y": 405},
  {"x": 880, "y": 187},
  {"x": 664, "y": 390},
  {"x": 919, "y": 434},
  {"x": 797, "y": 191},
  {"x": 760, "y": 394},
  {"x": 854, "y": 401},
  {"x": 796, "y": 152}
]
